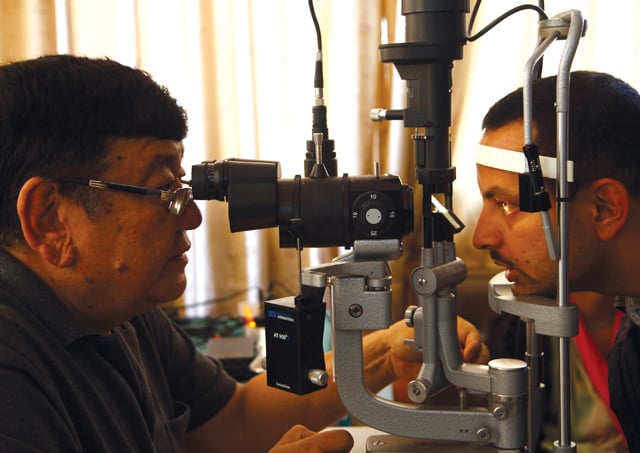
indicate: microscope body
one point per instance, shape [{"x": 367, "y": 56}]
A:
[{"x": 370, "y": 214}]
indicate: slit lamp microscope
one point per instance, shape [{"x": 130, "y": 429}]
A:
[{"x": 369, "y": 215}]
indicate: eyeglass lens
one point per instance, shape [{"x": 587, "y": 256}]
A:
[{"x": 180, "y": 200}]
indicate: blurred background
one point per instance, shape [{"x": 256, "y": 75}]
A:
[{"x": 243, "y": 70}]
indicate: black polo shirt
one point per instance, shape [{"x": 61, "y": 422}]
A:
[{"x": 63, "y": 389}]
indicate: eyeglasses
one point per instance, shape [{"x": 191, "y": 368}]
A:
[{"x": 178, "y": 199}]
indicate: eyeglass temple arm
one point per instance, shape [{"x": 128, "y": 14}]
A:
[{"x": 125, "y": 187}]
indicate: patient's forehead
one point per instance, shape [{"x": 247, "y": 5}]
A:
[
  {"x": 501, "y": 149},
  {"x": 509, "y": 136}
]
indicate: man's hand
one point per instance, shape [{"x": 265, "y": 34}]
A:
[
  {"x": 473, "y": 348},
  {"x": 406, "y": 362},
  {"x": 300, "y": 439}
]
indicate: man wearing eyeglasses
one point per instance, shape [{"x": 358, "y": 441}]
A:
[{"x": 93, "y": 222}]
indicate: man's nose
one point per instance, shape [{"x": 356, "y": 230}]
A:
[
  {"x": 191, "y": 218},
  {"x": 485, "y": 234}
]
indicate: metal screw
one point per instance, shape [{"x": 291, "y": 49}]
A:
[
  {"x": 500, "y": 412},
  {"x": 483, "y": 434},
  {"x": 356, "y": 310},
  {"x": 418, "y": 390}
]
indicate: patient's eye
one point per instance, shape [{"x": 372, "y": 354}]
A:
[{"x": 508, "y": 207}]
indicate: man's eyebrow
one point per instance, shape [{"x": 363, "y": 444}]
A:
[
  {"x": 162, "y": 158},
  {"x": 173, "y": 158},
  {"x": 498, "y": 192}
]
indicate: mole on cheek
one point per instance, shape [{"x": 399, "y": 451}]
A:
[{"x": 123, "y": 268}]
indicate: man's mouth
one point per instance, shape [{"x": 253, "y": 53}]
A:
[
  {"x": 511, "y": 274},
  {"x": 181, "y": 256},
  {"x": 184, "y": 246}
]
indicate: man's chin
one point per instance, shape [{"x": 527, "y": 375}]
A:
[
  {"x": 168, "y": 291},
  {"x": 520, "y": 289}
]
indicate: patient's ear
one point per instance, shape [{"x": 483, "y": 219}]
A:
[
  {"x": 611, "y": 200},
  {"x": 44, "y": 227}
]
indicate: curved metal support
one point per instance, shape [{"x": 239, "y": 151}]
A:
[
  {"x": 502, "y": 422},
  {"x": 576, "y": 30}
]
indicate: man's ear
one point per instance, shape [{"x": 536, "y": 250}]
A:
[
  {"x": 44, "y": 229},
  {"x": 611, "y": 200}
]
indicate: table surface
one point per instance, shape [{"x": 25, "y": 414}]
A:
[
  {"x": 400, "y": 445},
  {"x": 360, "y": 435}
]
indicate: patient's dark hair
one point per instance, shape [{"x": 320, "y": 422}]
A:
[
  {"x": 604, "y": 125},
  {"x": 59, "y": 113}
]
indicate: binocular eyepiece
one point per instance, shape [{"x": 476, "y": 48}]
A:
[{"x": 318, "y": 212}]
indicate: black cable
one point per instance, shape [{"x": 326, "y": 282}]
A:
[
  {"x": 538, "y": 67},
  {"x": 502, "y": 17},
  {"x": 275, "y": 284},
  {"x": 316, "y": 24},
  {"x": 234, "y": 294},
  {"x": 318, "y": 80},
  {"x": 221, "y": 299},
  {"x": 472, "y": 18}
]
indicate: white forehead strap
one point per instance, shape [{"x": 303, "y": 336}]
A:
[{"x": 514, "y": 161}]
